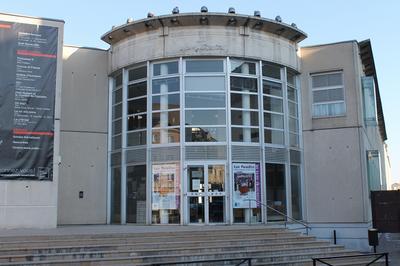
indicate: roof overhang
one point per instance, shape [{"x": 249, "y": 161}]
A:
[
  {"x": 292, "y": 33},
  {"x": 367, "y": 59}
]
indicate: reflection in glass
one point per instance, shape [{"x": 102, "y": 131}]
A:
[
  {"x": 137, "y": 122},
  {"x": 196, "y": 209},
  {"x": 167, "y": 101},
  {"x": 243, "y": 67},
  {"x": 216, "y": 209},
  {"x": 244, "y": 84},
  {"x": 204, "y": 100},
  {"x": 136, "y": 194},
  {"x": 272, "y": 88},
  {"x": 137, "y": 106},
  {"x": 172, "y": 116},
  {"x": 276, "y": 190},
  {"x": 245, "y": 134},
  {"x": 193, "y": 66},
  {"x": 138, "y": 73},
  {"x": 200, "y": 134},
  {"x": 164, "y": 135},
  {"x": 165, "y": 68},
  {"x": 196, "y": 179},
  {"x": 273, "y": 104},
  {"x": 292, "y": 94},
  {"x": 292, "y": 109},
  {"x": 205, "y": 117},
  {"x": 244, "y": 101},
  {"x": 165, "y": 85},
  {"x": 273, "y": 136},
  {"x": 244, "y": 118},
  {"x": 137, "y": 90},
  {"x": 216, "y": 178},
  {"x": 294, "y": 140},
  {"x": 293, "y": 125},
  {"x": 271, "y": 71},
  {"x": 273, "y": 120},
  {"x": 136, "y": 138},
  {"x": 205, "y": 84}
]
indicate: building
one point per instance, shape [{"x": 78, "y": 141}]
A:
[{"x": 206, "y": 118}]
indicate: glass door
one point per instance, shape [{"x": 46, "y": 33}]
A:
[{"x": 206, "y": 194}]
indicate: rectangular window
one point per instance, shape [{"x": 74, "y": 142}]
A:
[
  {"x": 369, "y": 100},
  {"x": 200, "y": 84},
  {"x": 138, "y": 73},
  {"x": 328, "y": 94},
  {"x": 204, "y": 66},
  {"x": 205, "y": 100},
  {"x": 373, "y": 170}
]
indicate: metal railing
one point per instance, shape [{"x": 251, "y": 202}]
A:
[
  {"x": 306, "y": 226},
  {"x": 378, "y": 256},
  {"x": 242, "y": 261}
]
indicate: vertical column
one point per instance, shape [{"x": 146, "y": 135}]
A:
[
  {"x": 109, "y": 146},
  {"x": 164, "y": 106},
  {"x": 124, "y": 143},
  {"x": 246, "y": 105}
]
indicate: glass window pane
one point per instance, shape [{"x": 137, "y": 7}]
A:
[
  {"x": 118, "y": 80},
  {"x": 271, "y": 71},
  {"x": 205, "y": 83},
  {"x": 293, "y": 140},
  {"x": 245, "y": 134},
  {"x": 117, "y": 96},
  {"x": 136, "y": 138},
  {"x": 292, "y": 109},
  {"x": 138, "y": 73},
  {"x": 137, "y": 90},
  {"x": 244, "y": 101},
  {"x": 244, "y": 84},
  {"x": 273, "y": 136},
  {"x": 276, "y": 190},
  {"x": 116, "y": 127},
  {"x": 165, "y": 85},
  {"x": 173, "y": 119},
  {"x": 244, "y": 118},
  {"x": 204, "y": 100},
  {"x": 164, "y": 102},
  {"x": 272, "y": 88},
  {"x": 243, "y": 67},
  {"x": 193, "y": 66},
  {"x": 116, "y": 142},
  {"x": 273, "y": 104},
  {"x": 117, "y": 111},
  {"x": 273, "y": 120},
  {"x": 205, "y": 117},
  {"x": 164, "y": 136},
  {"x": 295, "y": 178},
  {"x": 292, "y": 94},
  {"x": 200, "y": 134},
  {"x": 137, "y": 106},
  {"x": 165, "y": 69},
  {"x": 116, "y": 195},
  {"x": 137, "y": 122},
  {"x": 136, "y": 194},
  {"x": 326, "y": 110},
  {"x": 326, "y": 80},
  {"x": 293, "y": 125},
  {"x": 291, "y": 78},
  {"x": 330, "y": 95}
]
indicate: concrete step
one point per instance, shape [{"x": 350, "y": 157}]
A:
[
  {"x": 166, "y": 250},
  {"x": 153, "y": 245}
]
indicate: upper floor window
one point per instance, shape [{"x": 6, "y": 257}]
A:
[{"x": 328, "y": 94}]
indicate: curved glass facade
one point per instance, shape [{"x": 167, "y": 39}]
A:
[{"x": 204, "y": 140}]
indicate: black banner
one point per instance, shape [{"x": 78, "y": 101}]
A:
[{"x": 28, "y": 64}]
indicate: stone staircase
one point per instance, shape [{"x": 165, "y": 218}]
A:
[{"x": 264, "y": 245}]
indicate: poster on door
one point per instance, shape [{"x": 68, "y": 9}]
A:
[
  {"x": 166, "y": 187},
  {"x": 246, "y": 180}
]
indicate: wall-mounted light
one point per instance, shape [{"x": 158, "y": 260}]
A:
[
  {"x": 110, "y": 37},
  {"x": 203, "y": 9},
  {"x": 175, "y": 10},
  {"x": 129, "y": 20},
  {"x": 232, "y": 21},
  {"x": 293, "y": 25},
  {"x": 204, "y": 20},
  {"x": 257, "y": 13},
  {"x": 278, "y": 19},
  {"x": 150, "y": 15},
  {"x": 231, "y": 10},
  {"x": 174, "y": 21}
]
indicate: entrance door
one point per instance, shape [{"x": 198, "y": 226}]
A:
[{"x": 205, "y": 195}]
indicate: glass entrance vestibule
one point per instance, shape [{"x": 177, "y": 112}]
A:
[{"x": 204, "y": 141}]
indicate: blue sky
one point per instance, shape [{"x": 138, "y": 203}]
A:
[{"x": 323, "y": 21}]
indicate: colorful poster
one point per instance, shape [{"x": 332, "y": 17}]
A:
[
  {"x": 246, "y": 180},
  {"x": 166, "y": 187},
  {"x": 28, "y": 68}
]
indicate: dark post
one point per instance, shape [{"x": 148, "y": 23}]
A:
[
  {"x": 373, "y": 238},
  {"x": 334, "y": 237}
]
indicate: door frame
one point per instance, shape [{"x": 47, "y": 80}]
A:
[{"x": 206, "y": 193}]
